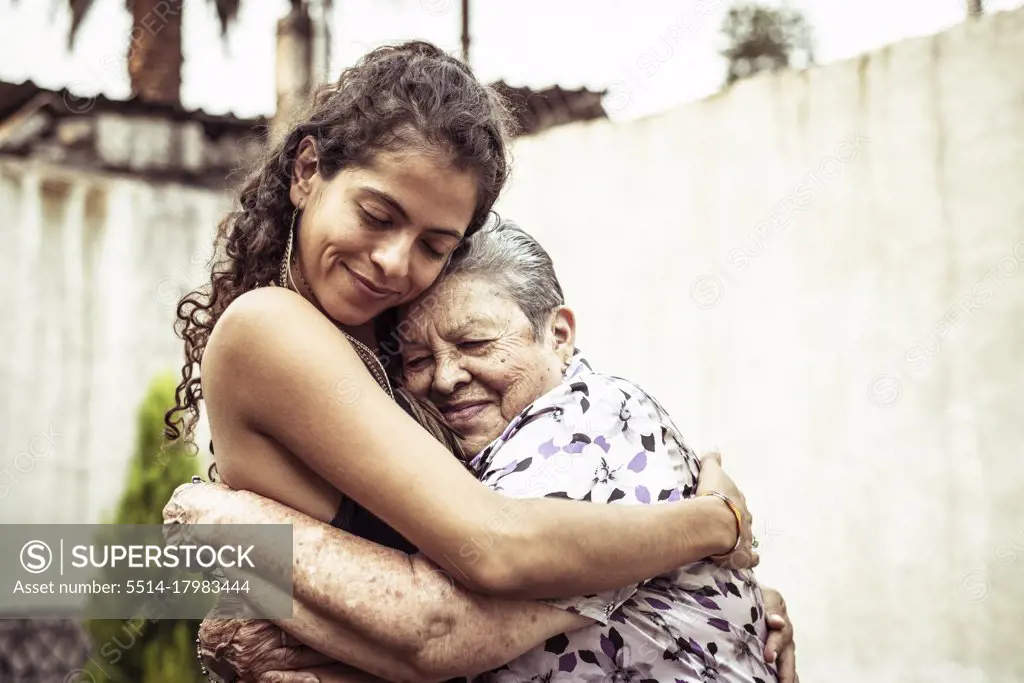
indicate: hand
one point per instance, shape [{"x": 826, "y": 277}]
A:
[
  {"x": 252, "y": 648},
  {"x": 780, "y": 648},
  {"x": 337, "y": 673},
  {"x": 713, "y": 478},
  {"x": 294, "y": 677},
  {"x": 190, "y": 503}
]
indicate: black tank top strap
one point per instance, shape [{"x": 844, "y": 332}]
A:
[{"x": 345, "y": 516}]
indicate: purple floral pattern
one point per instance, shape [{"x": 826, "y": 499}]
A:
[{"x": 602, "y": 439}]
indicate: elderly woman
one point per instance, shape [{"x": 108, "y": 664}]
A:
[{"x": 493, "y": 346}]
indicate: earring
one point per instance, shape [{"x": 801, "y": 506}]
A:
[{"x": 286, "y": 262}]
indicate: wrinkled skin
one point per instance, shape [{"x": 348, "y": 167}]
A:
[
  {"x": 262, "y": 653},
  {"x": 252, "y": 647}
]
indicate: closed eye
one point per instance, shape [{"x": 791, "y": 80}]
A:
[
  {"x": 471, "y": 344},
  {"x": 432, "y": 252},
  {"x": 418, "y": 363},
  {"x": 374, "y": 219}
]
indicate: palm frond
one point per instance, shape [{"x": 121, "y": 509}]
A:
[
  {"x": 79, "y": 11},
  {"x": 227, "y": 12}
]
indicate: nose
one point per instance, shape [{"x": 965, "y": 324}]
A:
[
  {"x": 392, "y": 255},
  {"x": 449, "y": 375}
]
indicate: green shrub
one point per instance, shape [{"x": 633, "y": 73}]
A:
[{"x": 143, "y": 650}]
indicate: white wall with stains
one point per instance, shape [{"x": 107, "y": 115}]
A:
[
  {"x": 820, "y": 272},
  {"x": 823, "y": 274},
  {"x": 94, "y": 267}
]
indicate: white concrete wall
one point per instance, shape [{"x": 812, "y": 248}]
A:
[
  {"x": 817, "y": 271},
  {"x": 820, "y": 272},
  {"x": 93, "y": 267}
]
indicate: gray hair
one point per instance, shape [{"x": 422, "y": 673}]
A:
[{"x": 509, "y": 257}]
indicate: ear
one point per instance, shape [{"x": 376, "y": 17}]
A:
[
  {"x": 563, "y": 332},
  {"x": 303, "y": 171}
]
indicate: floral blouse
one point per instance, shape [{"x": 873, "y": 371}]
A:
[{"x": 602, "y": 439}]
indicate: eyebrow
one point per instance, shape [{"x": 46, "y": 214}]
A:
[
  {"x": 393, "y": 203},
  {"x": 461, "y": 329},
  {"x": 477, "y": 320}
]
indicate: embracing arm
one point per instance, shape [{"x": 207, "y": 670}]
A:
[
  {"x": 280, "y": 363},
  {"x": 451, "y": 650},
  {"x": 779, "y": 649},
  {"x": 390, "y": 614}
]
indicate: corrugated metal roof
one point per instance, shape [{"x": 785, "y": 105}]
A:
[
  {"x": 537, "y": 110},
  {"x": 65, "y": 128},
  {"x": 14, "y": 96},
  {"x": 534, "y": 110}
]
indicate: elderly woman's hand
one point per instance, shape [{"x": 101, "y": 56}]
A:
[
  {"x": 336, "y": 673},
  {"x": 713, "y": 478},
  {"x": 252, "y": 648},
  {"x": 780, "y": 648},
  {"x": 193, "y": 503}
]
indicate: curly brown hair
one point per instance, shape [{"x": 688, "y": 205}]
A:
[{"x": 411, "y": 96}]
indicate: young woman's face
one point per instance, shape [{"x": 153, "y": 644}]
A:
[{"x": 376, "y": 237}]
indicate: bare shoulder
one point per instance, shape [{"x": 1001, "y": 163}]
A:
[
  {"x": 273, "y": 340},
  {"x": 264, "y": 308},
  {"x": 261, "y": 318},
  {"x": 273, "y": 333}
]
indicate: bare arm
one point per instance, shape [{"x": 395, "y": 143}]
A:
[
  {"x": 452, "y": 649},
  {"x": 277, "y": 362},
  {"x": 392, "y": 615}
]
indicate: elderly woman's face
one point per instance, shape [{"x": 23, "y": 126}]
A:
[{"x": 471, "y": 351}]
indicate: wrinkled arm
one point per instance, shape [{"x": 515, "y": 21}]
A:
[
  {"x": 253, "y": 647},
  {"x": 390, "y": 614},
  {"x": 485, "y": 638},
  {"x": 278, "y": 362}
]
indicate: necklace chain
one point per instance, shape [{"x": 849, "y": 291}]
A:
[{"x": 369, "y": 358}]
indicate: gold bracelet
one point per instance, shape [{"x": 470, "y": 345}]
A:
[{"x": 739, "y": 521}]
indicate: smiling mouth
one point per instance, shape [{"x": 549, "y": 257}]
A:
[
  {"x": 463, "y": 412},
  {"x": 370, "y": 287}
]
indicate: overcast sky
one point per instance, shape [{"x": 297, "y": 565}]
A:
[{"x": 663, "y": 51}]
